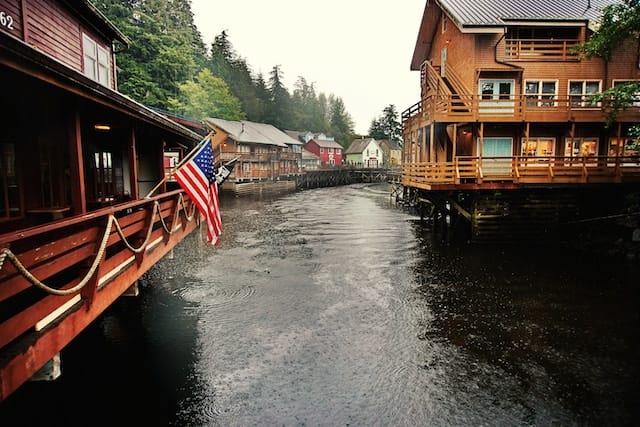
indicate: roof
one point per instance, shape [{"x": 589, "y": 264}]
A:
[
  {"x": 89, "y": 12},
  {"x": 252, "y": 132},
  {"x": 35, "y": 63},
  {"x": 499, "y": 12},
  {"x": 308, "y": 155},
  {"x": 391, "y": 145},
  {"x": 295, "y": 134},
  {"x": 359, "y": 145},
  {"x": 494, "y": 15},
  {"x": 326, "y": 143}
]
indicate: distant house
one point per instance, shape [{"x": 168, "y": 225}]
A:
[
  {"x": 329, "y": 151},
  {"x": 392, "y": 152},
  {"x": 365, "y": 152},
  {"x": 309, "y": 160},
  {"x": 263, "y": 151}
]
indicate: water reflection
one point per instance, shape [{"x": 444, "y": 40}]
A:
[{"x": 333, "y": 307}]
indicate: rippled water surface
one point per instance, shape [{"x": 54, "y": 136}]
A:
[{"x": 332, "y": 307}]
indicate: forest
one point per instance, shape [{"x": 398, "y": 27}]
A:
[{"x": 168, "y": 66}]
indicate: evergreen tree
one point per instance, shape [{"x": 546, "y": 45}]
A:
[
  {"x": 307, "y": 109},
  {"x": 280, "y": 111},
  {"x": 341, "y": 123},
  {"x": 387, "y": 126},
  {"x": 207, "y": 96}
]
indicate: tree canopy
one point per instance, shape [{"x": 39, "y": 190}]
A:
[{"x": 168, "y": 66}]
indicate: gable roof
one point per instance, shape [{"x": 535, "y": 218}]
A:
[
  {"x": 253, "y": 133},
  {"x": 308, "y": 155},
  {"x": 329, "y": 143},
  {"x": 492, "y": 16},
  {"x": 359, "y": 145},
  {"x": 295, "y": 134},
  {"x": 391, "y": 145}
]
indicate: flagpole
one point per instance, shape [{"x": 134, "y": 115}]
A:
[{"x": 183, "y": 161}]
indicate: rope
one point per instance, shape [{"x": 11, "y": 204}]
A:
[
  {"x": 5, "y": 253},
  {"x": 61, "y": 292}
]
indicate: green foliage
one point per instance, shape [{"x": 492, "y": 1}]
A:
[
  {"x": 207, "y": 96},
  {"x": 163, "y": 67},
  {"x": 340, "y": 122},
  {"x": 387, "y": 126},
  {"x": 619, "y": 24}
]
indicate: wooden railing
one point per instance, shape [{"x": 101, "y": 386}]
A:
[
  {"x": 56, "y": 278},
  {"x": 521, "y": 169},
  {"x": 539, "y": 49},
  {"x": 513, "y": 108}
]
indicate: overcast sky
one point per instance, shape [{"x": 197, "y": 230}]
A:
[{"x": 359, "y": 50}]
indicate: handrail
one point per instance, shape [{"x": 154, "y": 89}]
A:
[{"x": 542, "y": 169}]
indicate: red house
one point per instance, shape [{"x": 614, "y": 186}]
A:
[{"x": 330, "y": 152}]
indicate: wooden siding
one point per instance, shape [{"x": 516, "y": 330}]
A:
[
  {"x": 13, "y": 18},
  {"x": 50, "y": 28}
]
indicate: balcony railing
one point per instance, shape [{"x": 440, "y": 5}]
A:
[
  {"x": 521, "y": 169},
  {"x": 540, "y": 49},
  {"x": 510, "y": 108},
  {"x": 58, "y": 277}
]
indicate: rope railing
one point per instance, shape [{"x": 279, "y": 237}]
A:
[{"x": 7, "y": 254}]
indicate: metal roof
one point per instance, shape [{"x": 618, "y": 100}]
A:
[
  {"x": 499, "y": 12},
  {"x": 359, "y": 145},
  {"x": 253, "y": 133}
]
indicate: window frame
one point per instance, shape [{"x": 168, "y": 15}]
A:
[
  {"x": 100, "y": 59},
  {"x": 636, "y": 102},
  {"x": 583, "y": 102},
  {"x": 540, "y": 98}
]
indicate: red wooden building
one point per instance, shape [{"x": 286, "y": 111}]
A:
[
  {"x": 77, "y": 159},
  {"x": 330, "y": 152}
]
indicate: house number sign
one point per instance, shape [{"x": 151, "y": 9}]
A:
[{"x": 6, "y": 20}]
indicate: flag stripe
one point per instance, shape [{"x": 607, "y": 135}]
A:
[{"x": 197, "y": 178}]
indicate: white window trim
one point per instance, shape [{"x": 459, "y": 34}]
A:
[
  {"x": 541, "y": 101},
  {"x": 102, "y": 70},
  {"x": 584, "y": 103}
]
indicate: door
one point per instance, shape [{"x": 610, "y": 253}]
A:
[
  {"x": 496, "y": 148},
  {"x": 496, "y": 96}
]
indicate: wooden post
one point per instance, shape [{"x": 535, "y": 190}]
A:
[
  {"x": 133, "y": 165},
  {"x": 432, "y": 155},
  {"x": 76, "y": 165},
  {"x": 454, "y": 143}
]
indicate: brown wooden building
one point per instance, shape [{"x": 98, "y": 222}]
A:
[
  {"x": 77, "y": 159},
  {"x": 505, "y": 102}
]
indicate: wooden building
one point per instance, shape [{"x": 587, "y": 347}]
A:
[
  {"x": 77, "y": 160},
  {"x": 330, "y": 152},
  {"x": 266, "y": 155},
  {"x": 505, "y": 103},
  {"x": 365, "y": 152}
]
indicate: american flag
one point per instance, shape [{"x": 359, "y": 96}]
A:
[{"x": 197, "y": 178}]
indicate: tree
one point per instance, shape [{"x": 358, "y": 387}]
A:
[
  {"x": 307, "y": 109},
  {"x": 207, "y": 96},
  {"x": 387, "y": 126},
  {"x": 619, "y": 26},
  {"x": 279, "y": 114},
  {"x": 340, "y": 122}
]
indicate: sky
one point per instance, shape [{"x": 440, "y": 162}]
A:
[{"x": 358, "y": 50}]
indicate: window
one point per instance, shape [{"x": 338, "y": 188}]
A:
[
  {"x": 330, "y": 150},
  {"x": 96, "y": 61},
  {"x": 580, "y": 92},
  {"x": 541, "y": 93},
  {"x": 581, "y": 147},
  {"x": 496, "y": 89},
  {"x": 322, "y": 149},
  {"x": 444, "y": 23},
  {"x": 9, "y": 191},
  {"x": 538, "y": 147},
  {"x": 630, "y": 148},
  {"x": 636, "y": 98}
]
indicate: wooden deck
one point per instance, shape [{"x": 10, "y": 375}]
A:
[
  {"x": 489, "y": 172},
  {"x": 57, "y": 278}
]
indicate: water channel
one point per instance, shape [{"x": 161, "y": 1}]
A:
[{"x": 333, "y": 307}]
